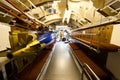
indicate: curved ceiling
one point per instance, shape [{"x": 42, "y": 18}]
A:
[{"x": 75, "y": 12}]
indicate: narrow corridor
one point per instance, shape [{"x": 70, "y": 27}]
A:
[{"x": 62, "y": 65}]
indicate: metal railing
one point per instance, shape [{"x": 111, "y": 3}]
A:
[{"x": 85, "y": 68}]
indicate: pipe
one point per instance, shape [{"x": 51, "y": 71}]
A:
[
  {"x": 33, "y": 20},
  {"x": 31, "y": 3},
  {"x": 13, "y": 14},
  {"x": 20, "y": 10},
  {"x": 29, "y": 9},
  {"x": 86, "y": 65},
  {"x": 28, "y": 50},
  {"x": 23, "y": 4}
]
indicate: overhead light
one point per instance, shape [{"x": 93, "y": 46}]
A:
[{"x": 67, "y": 15}]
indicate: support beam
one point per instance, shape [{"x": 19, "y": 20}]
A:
[
  {"x": 23, "y": 4},
  {"x": 31, "y": 3},
  {"x": 13, "y": 14},
  {"x": 10, "y": 2},
  {"x": 33, "y": 20}
]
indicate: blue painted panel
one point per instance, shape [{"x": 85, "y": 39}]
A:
[{"x": 45, "y": 38}]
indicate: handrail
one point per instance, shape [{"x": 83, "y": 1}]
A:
[
  {"x": 88, "y": 67},
  {"x": 102, "y": 46},
  {"x": 86, "y": 43},
  {"x": 84, "y": 71}
]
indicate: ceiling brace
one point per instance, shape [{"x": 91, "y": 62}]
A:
[
  {"x": 31, "y": 3},
  {"x": 21, "y": 11},
  {"x": 23, "y": 4},
  {"x": 13, "y": 14}
]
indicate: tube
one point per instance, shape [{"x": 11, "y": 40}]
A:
[
  {"x": 28, "y": 50},
  {"x": 10, "y": 2},
  {"x": 13, "y": 14}
]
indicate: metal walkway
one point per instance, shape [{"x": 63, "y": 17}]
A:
[{"x": 62, "y": 65}]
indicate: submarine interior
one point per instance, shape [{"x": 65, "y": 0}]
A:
[{"x": 59, "y": 40}]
